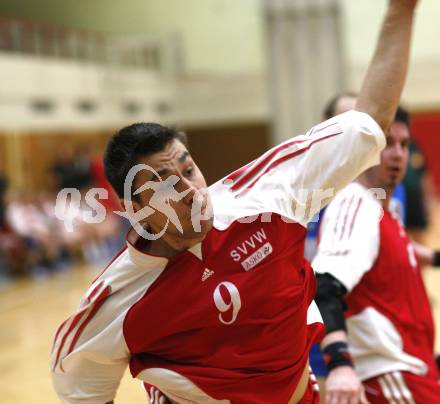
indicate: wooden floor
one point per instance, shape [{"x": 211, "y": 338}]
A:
[
  {"x": 29, "y": 315},
  {"x": 30, "y": 311}
]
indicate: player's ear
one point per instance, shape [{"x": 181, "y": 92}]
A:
[{"x": 135, "y": 205}]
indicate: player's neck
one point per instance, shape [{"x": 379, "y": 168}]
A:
[
  {"x": 372, "y": 182},
  {"x": 386, "y": 202},
  {"x": 168, "y": 245}
]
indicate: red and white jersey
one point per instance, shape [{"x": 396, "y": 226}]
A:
[
  {"x": 230, "y": 320},
  {"x": 389, "y": 321}
]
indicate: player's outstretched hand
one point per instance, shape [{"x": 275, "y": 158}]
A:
[{"x": 344, "y": 387}]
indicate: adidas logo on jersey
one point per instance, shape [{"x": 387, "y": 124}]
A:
[{"x": 206, "y": 274}]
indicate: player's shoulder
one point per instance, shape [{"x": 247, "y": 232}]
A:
[
  {"x": 356, "y": 198},
  {"x": 230, "y": 208},
  {"x": 97, "y": 323},
  {"x": 129, "y": 273},
  {"x": 360, "y": 121},
  {"x": 357, "y": 190},
  {"x": 106, "y": 282},
  {"x": 268, "y": 196}
]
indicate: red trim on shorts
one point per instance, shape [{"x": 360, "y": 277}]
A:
[
  {"x": 311, "y": 395},
  {"x": 402, "y": 387}
]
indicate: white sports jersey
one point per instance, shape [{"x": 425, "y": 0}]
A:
[
  {"x": 388, "y": 314},
  {"x": 225, "y": 321},
  {"x": 349, "y": 235}
]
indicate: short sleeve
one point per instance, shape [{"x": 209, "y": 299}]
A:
[
  {"x": 349, "y": 236},
  {"x": 300, "y": 176},
  {"x": 89, "y": 355},
  {"x": 88, "y": 381}
]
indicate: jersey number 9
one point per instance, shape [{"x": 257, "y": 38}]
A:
[{"x": 234, "y": 300}]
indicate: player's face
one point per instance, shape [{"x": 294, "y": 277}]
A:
[
  {"x": 187, "y": 202},
  {"x": 394, "y": 157}
]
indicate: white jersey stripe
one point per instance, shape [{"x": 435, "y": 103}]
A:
[
  {"x": 395, "y": 391},
  {"x": 386, "y": 390},
  {"x": 406, "y": 392}
]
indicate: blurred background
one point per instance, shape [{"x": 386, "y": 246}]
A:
[{"x": 237, "y": 76}]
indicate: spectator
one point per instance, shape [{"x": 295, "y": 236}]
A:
[{"x": 417, "y": 190}]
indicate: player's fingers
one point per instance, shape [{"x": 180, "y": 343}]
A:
[
  {"x": 334, "y": 397},
  {"x": 344, "y": 398},
  {"x": 354, "y": 398},
  {"x": 329, "y": 397}
]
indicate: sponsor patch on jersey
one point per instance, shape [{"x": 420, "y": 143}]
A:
[{"x": 257, "y": 257}]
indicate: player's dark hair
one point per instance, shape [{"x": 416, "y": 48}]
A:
[
  {"x": 330, "y": 108},
  {"x": 403, "y": 116},
  {"x": 130, "y": 144}
]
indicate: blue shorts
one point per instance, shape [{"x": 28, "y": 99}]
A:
[{"x": 317, "y": 361}]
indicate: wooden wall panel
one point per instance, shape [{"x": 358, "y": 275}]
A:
[
  {"x": 219, "y": 151},
  {"x": 29, "y": 156},
  {"x": 426, "y": 132}
]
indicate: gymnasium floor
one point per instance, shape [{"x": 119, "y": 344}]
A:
[{"x": 30, "y": 311}]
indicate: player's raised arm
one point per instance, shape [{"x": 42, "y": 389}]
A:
[
  {"x": 384, "y": 81},
  {"x": 303, "y": 174}
]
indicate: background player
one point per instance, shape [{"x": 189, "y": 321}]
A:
[
  {"x": 337, "y": 105},
  {"x": 366, "y": 261}
]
